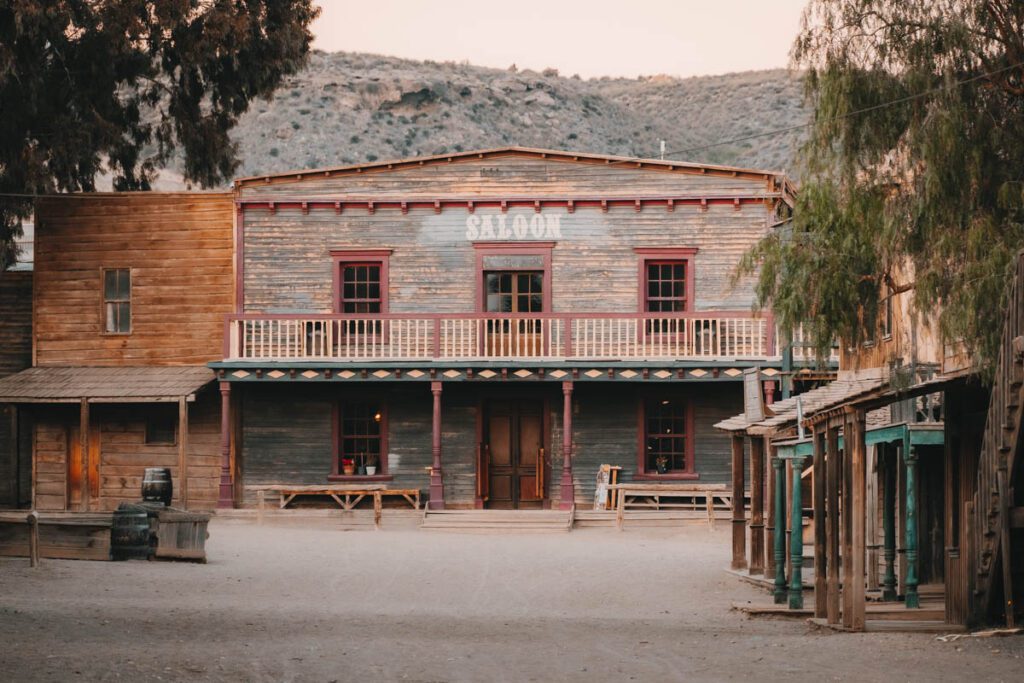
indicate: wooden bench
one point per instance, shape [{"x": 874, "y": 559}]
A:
[
  {"x": 345, "y": 495},
  {"x": 643, "y": 495}
]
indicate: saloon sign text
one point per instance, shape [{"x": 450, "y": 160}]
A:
[{"x": 518, "y": 227}]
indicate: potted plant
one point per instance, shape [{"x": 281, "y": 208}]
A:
[
  {"x": 661, "y": 463},
  {"x": 348, "y": 466},
  {"x": 371, "y": 464},
  {"x": 361, "y": 469}
]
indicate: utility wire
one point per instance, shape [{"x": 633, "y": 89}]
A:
[{"x": 730, "y": 141}]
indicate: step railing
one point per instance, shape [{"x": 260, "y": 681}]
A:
[{"x": 701, "y": 335}]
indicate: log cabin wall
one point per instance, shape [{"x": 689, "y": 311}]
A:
[
  {"x": 179, "y": 247},
  {"x": 288, "y": 267},
  {"x": 15, "y": 355}
]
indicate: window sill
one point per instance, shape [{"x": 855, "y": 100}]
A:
[
  {"x": 360, "y": 477},
  {"x": 673, "y": 476}
]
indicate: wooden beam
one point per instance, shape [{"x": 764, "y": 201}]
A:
[
  {"x": 858, "y": 518},
  {"x": 846, "y": 518},
  {"x": 832, "y": 463},
  {"x": 820, "y": 561},
  {"x": 757, "y": 505},
  {"x": 770, "y": 531},
  {"x": 739, "y": 520},
  {"x": 83, "y": 447},
  {"x": 183, "y": 453},
  {"x": 1005, "y": 547}
]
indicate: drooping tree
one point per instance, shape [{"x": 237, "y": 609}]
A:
[
  {"x": 120, "y": 86},
  {"x": 913, "y": 169}
]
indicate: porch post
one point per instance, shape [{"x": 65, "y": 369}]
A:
[
  {"x": 889, "y": 523},
  {"x": 779, "y": 466},
  {"x": 769, "y": 536},
  {"x": 910, "y": 459},
  {"x": 796, "y": 539},
  {"x": 833, "y": 464},
  {"x": 225, "y": 498},
  {"x": 739, "y": 520},
  {"x": 436, "y": 478},
  {"x": 858, "y": 514},
  {"x": 820, "y": 561},
  {"x": 86, "y": 461},
  {"x": 567, "y": 496},
  {"x": 757, "y": 505}
]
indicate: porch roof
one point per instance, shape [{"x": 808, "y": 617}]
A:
[{"x": 134, "y": 384}]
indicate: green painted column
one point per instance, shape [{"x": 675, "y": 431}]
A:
[
  {"x": 910, "y": 460},
  {"x": 796, "y": 540},
  {"x": 779, "y": 465},
  {"x": 889, "y": 523}
]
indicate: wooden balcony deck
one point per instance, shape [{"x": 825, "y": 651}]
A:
[{"x": 703, "y": 335}]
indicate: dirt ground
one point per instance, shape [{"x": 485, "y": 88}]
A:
[{"x": 320, "y": 604}]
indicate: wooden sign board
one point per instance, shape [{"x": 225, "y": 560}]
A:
[{"x": 753, "y": 399}]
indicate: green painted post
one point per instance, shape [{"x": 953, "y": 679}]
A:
[
  {"x": 889, "y": 524},
  {"x": 910, "y": 459},
  {"x": 796, "y": 540},
  {"x": 779, "y": 466}
]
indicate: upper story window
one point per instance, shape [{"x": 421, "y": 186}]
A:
[
  {"x": 887, "y": 314},
  {"x": 360, "y": 288},
  {"x": 117, "y": 300},
  {"x": 666, "y": 279}
]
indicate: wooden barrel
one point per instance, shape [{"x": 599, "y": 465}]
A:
[
  {"x": 129, "y": 534},
  {"x": 157, "y": 486}
]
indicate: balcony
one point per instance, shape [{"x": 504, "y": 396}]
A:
[{"x": 699, "y": 336}]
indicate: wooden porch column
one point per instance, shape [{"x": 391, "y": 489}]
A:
[
  {"x": 757, "y": 505},
  {"x": 769, "y": 536},
  {"x": 820, "y": 561},
  {"x": 832, "y": 465},
  {"x": 436, "y": 476},
  {"x": 796, "y": 538},
  {"x": 858, "y": 521},
  {"x": 846, "y": 517},
  {"x": 183, "y": 452},
  {"x": 567, "y": 495},
  {"x": 739, "y": 520},
  {"x": 83, "y": 443},
  {"x": 225, "y": 497},
  {"x": 888, "y": 465},
  {"x": 911, "y": 599},
  {"x": 779, "y": 467}
]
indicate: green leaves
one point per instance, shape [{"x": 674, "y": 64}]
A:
[{"x": 88, "y": 86}]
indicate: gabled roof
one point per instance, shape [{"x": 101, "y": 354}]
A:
[{"x": 784, "y": 185}]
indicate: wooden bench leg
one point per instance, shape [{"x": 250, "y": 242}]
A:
[
  {"x": 261, "y": 499},
  {"x": 287, "y": 499},
  {"x": 377, "y": 500},
  {"x": 619, "y": 511},
  {"x": 338, "y": 500},
  {"x": 709, "y": 502}
]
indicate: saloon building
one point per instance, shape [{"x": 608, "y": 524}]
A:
[{"x": 492, "y": 326}]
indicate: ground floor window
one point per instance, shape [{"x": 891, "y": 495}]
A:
[
  {"x": 666, "y": 438},
  {"x": 361, "y": 439}
]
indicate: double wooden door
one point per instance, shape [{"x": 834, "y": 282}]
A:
[{"x": 515, "y": 454}]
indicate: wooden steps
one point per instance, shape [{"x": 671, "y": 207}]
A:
[
  {"x": 645, "y": 518},
  {"x": 497, "y": 521}
]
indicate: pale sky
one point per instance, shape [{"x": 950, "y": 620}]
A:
[{"x": 586, "y": 37}]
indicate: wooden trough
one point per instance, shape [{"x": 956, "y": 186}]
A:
[{"x": 62, "y": 535}]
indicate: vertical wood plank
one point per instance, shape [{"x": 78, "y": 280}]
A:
[
  {"x": 858, "y": 519},
  {"x": 832, "y": 465},
  {"x": 757, "y": 505},
  {"x": 820, "y": 561},
  {"x": 739, "y": 521},
  {"x": 183, "y": 452}
]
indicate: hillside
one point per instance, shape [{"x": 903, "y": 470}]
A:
[{"x": 347, "y": 108}]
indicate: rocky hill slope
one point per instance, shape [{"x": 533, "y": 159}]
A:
[{"x": 348, "y": 108}]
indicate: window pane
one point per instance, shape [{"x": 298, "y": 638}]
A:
[
  {"x": 124, "y": 289},
  {"x": 109, "y": 284},
  {"x": 111, "y": 316},
  {"x": 124, "y": 317},
  {"x": 492, "y": 282}
]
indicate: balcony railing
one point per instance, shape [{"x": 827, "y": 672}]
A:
[{"x": 703, "y": 335}]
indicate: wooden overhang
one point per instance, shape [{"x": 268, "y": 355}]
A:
[
  {"x": 775, "y": 182},
  {"x": 137, "y": 384}
]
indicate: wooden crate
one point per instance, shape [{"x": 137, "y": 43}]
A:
[{"x": 180, "y": 535}]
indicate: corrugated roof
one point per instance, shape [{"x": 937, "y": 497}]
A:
[
  {"x": 110, "y": 385},
  {"x": 832, "y": 394}
]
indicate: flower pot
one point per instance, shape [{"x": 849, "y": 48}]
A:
[
  {"x": 348, "y": 470},
  {"x": 362, "y": 470},
  {"x": 371, "y": 470},
  {"x": 662, "y": 469}
]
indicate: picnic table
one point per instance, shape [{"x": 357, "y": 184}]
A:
[
  {"x": 679, "y": 496},
  {"x": 345, "y": 495}
]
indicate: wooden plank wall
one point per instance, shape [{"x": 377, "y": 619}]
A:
[
  {"x": 179, "y": 247},
  {"x": 433, "y": 267},
  {"x": 287, "y": 434},
  {"x": 15, "y": 355}
]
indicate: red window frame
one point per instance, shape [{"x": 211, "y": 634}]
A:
[
  {"x": 642, "y": 472},
  {"x": 361, "y": 257},
  {"x": 542, "y": 249},
  {"x": 337, "y": 438},
  {"x": 662, "y": 255}
]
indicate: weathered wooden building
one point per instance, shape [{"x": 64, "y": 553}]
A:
[
  {"x": 129, "y": 297},
  {"x": 492, "y": 326}
]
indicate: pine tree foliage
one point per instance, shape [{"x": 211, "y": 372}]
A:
[
  {"x": 91, "y": 86},
  {"x": 913, "y": 169}
]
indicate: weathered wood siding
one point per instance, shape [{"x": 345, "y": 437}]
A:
[
  {"x": 287, "y": 434},
  {"x": 15, "y": 355},
  {"x": 124, "y": 454},
  {"x": 512, "y": 175},
  {"x": 288, "y": 268},
  {"x": 180, "y": 250}
]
